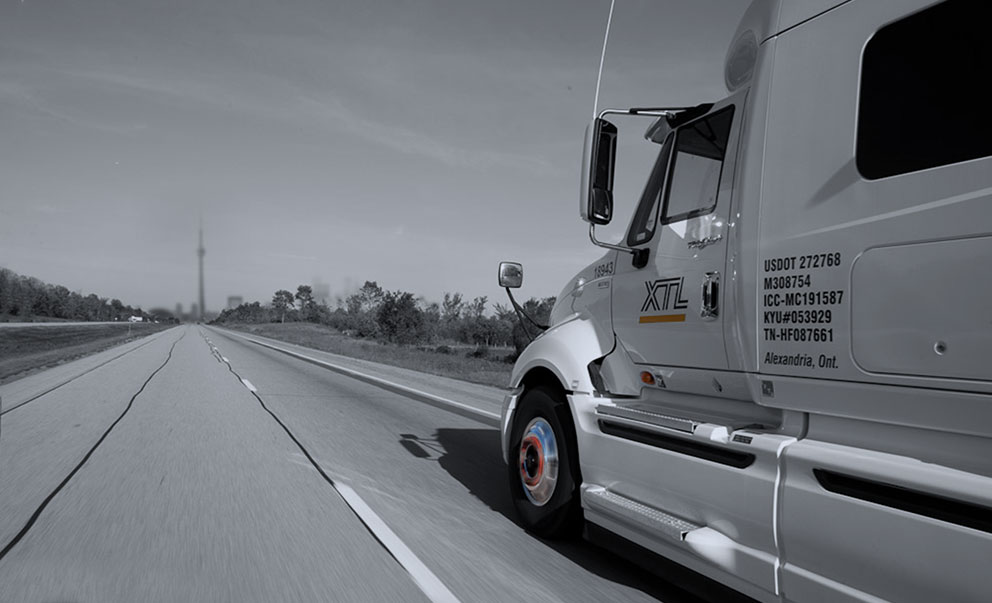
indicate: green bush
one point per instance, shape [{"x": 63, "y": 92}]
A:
[{"x": 481, "y": 351}]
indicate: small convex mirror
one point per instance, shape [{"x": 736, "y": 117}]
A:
[
  {"x": 600, "y": 157},
  {"x": 659, "y": 130},
  {"x": 511, "y": 274}
]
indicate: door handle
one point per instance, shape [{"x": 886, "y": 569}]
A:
[{"x": 710, "y": 308}]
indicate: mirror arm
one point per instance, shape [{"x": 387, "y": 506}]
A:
[
  {"x": 598, "y": 243},
  {"x": 640, "y": 255},
  {"x": 650, "y": 111},
  {"x": 521, "y": 315}
]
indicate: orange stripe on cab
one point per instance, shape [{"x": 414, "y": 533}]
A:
[{"x": 663, "y": 318}]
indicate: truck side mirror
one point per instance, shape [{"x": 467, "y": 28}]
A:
[
  {"x": 597, "y": 172},
  {"x": 511, "y": 275}
]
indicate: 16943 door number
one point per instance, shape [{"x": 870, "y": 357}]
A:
[{"x": 604, "y": 269}]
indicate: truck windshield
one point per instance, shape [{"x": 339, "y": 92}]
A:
[{"x": 645, "y": 216}]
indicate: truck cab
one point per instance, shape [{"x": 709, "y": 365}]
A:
[{"x": 780, "y": 377}]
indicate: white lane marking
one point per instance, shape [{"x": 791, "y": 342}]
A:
[
  {"x": 389, "y": 384},
  {"x": 421, "y": 574},
  {"x": 428, "y": 582},
  {"x": 345, "y": 476}
]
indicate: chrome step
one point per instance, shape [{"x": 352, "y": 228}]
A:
[
  {"x": 646, "y": 416},
  {"x": 600, "y": 499}
]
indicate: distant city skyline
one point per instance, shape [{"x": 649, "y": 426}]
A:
[
  {"x": 200, "y": 252},
  {"x": 412, "y": 144}
]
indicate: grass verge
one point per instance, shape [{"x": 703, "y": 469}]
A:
[
  {"x": 29, "y": 349},
  {"x": 486, "y": 371}
]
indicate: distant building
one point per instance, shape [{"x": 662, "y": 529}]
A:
[
  {"x": 179, "y": 311},
  {"x": 233, "y": 301},
  {"x": 321, "y": 291},
  {"x": 200, "y": 252},
  {"x": 194, "y": 312}
]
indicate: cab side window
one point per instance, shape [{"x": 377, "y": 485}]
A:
[
  {"x": 700, "y": 147},
  {"x": 924, "y": 91}
]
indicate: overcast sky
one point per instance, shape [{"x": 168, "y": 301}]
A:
[{"x": 412, "y": 143}]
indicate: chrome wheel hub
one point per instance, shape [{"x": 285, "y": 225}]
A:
[{"x": 538, "y": 462}]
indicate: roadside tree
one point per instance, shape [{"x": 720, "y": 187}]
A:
[
  {"x": 363, "y": 307},
  {"x": 307, "y": 304},
  {"x": 400, "y": 320},
  {"x": 281, "y": 303}
]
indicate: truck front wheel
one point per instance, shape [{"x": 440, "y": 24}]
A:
[{"x": 543, "y": 470}]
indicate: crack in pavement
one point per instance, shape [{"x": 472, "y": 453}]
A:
[
  {"x": 71, "y": 379},
  {"x": 424, "y": 578},
  {"x": 37, "y": 513}
]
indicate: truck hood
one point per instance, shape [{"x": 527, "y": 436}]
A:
[{"x": 568, "y": 304}]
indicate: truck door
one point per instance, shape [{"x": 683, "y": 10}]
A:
[
  {"x": 661, "y": 449},
  {"x": 669, "y": 312}
]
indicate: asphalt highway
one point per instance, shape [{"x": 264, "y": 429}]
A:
[{"x": 198, "y": 466}]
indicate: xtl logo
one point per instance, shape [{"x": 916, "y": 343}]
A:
[{"x": 664, "y": 294}]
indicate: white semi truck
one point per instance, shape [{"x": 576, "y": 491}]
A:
[{"x": 781, "y": 377}]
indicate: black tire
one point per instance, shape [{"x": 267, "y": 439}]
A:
[{"x": 555, "y": 513}]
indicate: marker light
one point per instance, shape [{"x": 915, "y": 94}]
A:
[
  {"x": 740, "y": 61},
  {"x": 647, "y": 378}
]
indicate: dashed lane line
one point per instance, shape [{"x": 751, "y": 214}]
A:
[
  {"x": 428, "y": 582},
  {"x": 460, "y": 408},
  {"x": 423, "y": 577}
]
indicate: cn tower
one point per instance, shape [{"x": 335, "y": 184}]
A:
[{"x": 201, "y": 252}]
